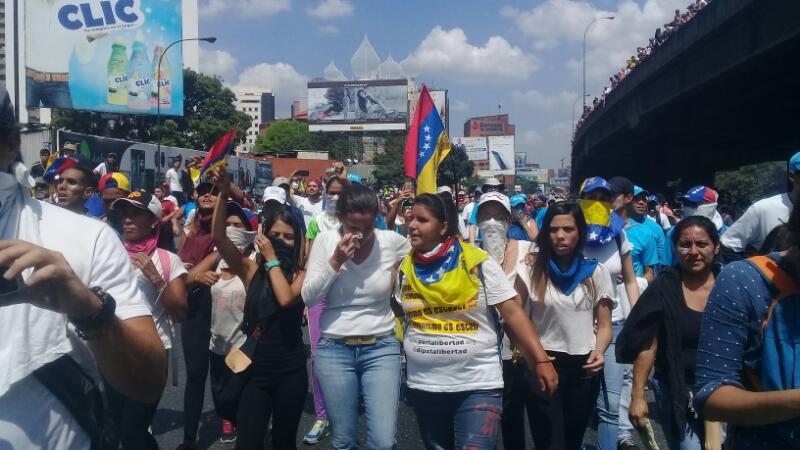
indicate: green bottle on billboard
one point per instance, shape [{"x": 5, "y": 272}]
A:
[
  {"x": 118, "y": 74},
  {"x": 162, "y": 81},
  {"x": 139, "y": 78}
]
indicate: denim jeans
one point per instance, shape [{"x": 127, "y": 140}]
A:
[
  {"x": 462, "y": 420},
  {"x": 314, "y": 314},
  {"x": 349, "y": 372},
  {"x": 610, "y": 422},
  {"x": 693, "y": 434},
  {"x": 48, "y": 94}
]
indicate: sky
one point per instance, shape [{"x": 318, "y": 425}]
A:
[{"x": 523, "y": 55}]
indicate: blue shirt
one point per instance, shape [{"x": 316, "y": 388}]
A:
[
  {"x": 517, "y": 232},
  {"x": 645, "y": 247},
  {"x": 380, "y": 222},
  {"x": 540, "y": 217},
  {"x": 730, "y": 338},
  {"x": 658, "y": 233},
  {"x": 94, "y": 206},
  {"x": 188, "y": 208}
]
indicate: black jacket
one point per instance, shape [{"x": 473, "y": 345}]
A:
[{"x": 657, "y": 314}]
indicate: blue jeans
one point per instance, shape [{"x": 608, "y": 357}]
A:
[
  {"x": 610, "y": 421},
  {"x": 48, "y": 94},
  {"x": 458, "y": 420},
  {"x": 693, "y": 434},
  {"x": 348, "y": 372}
]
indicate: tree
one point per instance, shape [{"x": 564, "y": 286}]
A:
[
  {"x": 455, "y": 167},
  {"x": 284, "y": 135},
  {"x": 208, "y": 113},
  {"x": 740, "y": 188},
  {"x": 389, "y": 165}
]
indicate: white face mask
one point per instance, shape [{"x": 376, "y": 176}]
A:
[
  {"x": 495, "y": 238},
  {"x": 329, "y": 204},
  {"x": 708, "y": 210},
  {"x": 240, "y": 237}
]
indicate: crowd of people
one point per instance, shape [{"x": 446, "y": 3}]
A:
[
  {"x": 642, "y": 53},
  {"x": 477, "y": 309}
]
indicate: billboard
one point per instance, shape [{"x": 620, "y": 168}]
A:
[
  {"x": 520, "y": 160},
  {"x": 541, "y": 176},
  {"x": 103, "y": 55},
  {"x": 475, "y": 147},
  {"x": 501, "y": 155},
  {"x": 440, "y": 101},
  {"x": 377, "y": 105}
]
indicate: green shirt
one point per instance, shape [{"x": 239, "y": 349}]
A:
[{"x": 313, "y": 229}]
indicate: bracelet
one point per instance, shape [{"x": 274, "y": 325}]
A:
[{"x": 269, "y": 265}]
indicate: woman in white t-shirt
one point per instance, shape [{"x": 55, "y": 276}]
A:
[
  {"x": 162, "y": 278},
  {"x": 569, "y": 296},
  {"x": 453, "y": 296},
  {"x": 358, "y": 354},
  {"x": 610, "y": 246}
]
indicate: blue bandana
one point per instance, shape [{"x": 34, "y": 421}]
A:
[{"x": 567, "y": 281}]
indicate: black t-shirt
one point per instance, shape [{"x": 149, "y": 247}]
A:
[{"x": 690, "y": 337}]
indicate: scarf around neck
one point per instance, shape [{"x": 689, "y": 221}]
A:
[
  {"x": 568, "y": 280},
  {"x": 447, "y": 276},
  {"x": 146, "y": 246}
]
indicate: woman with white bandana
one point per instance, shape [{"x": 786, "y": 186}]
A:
[
  {"x": 698, "y": 201},
  {"x": 275, "y": 379}
]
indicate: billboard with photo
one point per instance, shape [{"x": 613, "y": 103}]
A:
[
  {"x": 541, "y": 176},
  {"x": 102, "y": 55},
  {"x": 440, "y": 100},
  {"x": 520, "y": 160},
  {"x": 377, "y": 105},
  {"x": 501, "y": 155},
  {"x": 475, "y": 147}
]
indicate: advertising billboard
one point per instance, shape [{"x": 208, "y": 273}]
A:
[
  {"x": 440, "y": 101},
  {"x": 520, "y": 160},
  {"x": 541, "y": 176},
  {"x": 501, "y": 155},
  {"x": 103, "y": 55},
  {"x": 377, "y": 105},
  {"x": 475, "y": 147}
]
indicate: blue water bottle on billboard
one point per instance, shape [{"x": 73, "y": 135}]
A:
[{"x": 139, "y": 78}]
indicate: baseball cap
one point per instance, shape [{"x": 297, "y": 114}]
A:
[
  {"x": 280, "y": 181},
  {"x": 794, "y": 163},
  {"x": 593, "y": 183},
  {"x": 204, "y": 188},
  {"x": 492, "y": 181},
  {"x": 247, "y": 216},
  {"x": 621, "y": 185},
  {"x": 7, "y": 116},
  {"x": 637, "y": 191},
  {"x": 140, "y": 200},
  {"x": 275, "y": 193},
  {"x": 519, "y": 199},
  {"x": 111, "y": 155},
  {"x": 700, "y": 194},
  {"x": 443, "y": 189},
  {"x": 495, "y": 197},
  {"x": 114, "y": 180},
  {"x": 69, "y": 146}
]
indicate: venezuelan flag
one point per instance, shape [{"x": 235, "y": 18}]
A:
[
  {"x": 218, "y": 155},
  {"x": 427, "y": 144}
]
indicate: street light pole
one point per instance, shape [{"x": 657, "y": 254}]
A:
[
  {"x": 210, "y": 40},
  {"x": 584, "y": 53}
]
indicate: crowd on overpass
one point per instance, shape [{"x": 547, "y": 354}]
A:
[{"x": 642, "y": 53}]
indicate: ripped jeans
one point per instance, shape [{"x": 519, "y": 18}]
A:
[{"x": 469, "y": 419}]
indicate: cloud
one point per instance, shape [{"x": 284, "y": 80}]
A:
[
  {"x": 449, "y": 54},
  {"x": 244, "y": 8},
  {"x": 328, "y": 29},
  {"x": 218, "y": 63},
  {"x": 284, "y": 81},
  {"x": 331, "y": 9},
  {"x": 536, "y": 99},
  {"x": 459, "y": 106},
  {"x": 531, "y": 138},
  {"x": 609, "y": 42}
]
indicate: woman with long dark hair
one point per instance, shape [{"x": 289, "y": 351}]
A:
[
  {"x": 277, "y": 380},
  {"x": 453, "y": 296},
  {"x": 358, "y": 355},
  {"x": 570, "y": 295},
  {"x": 663, "y": 330}
]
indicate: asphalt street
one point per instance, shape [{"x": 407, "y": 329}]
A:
[{"x": 168, "y": 423}]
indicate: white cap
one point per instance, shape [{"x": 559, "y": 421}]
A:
[
  {"x": 492, "y": 181},
  {"x": 495, "y": 197},
  {"x": 275, "y": 193},
  {"x": 442, "y": 189}
]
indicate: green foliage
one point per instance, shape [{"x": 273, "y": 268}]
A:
[
  {"x": 529, "y": 184},
  {"x": 455, "y": 167},
  {"x": 740, "y": 188},
  {"x": 284, "y": 135},
  {"x": 209, "y": 112},
  {"x": 389, "y": 165},
  {"x": 473, "y": 182}
]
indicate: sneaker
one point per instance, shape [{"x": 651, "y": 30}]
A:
[
  {"x": 318, "y": 432},
  {"x": 626, "y": 443},
  {"x": 228, "y": 432}
]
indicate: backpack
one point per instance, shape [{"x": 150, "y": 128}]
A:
[{"x": 780, "y": 331}]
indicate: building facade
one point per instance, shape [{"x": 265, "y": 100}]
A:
[{"x": 251, "y": 102}]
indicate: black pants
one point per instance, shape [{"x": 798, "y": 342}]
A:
[
  {"x": 281, "y": 397},
  {"x": 559, "y": 422},
  {"x": 195, "y": 336},
  {"x": 132, "y": 419},
  {"x": 516, "y": 396}
]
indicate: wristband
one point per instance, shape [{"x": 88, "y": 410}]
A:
[{"x": 269, "y": 265}]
